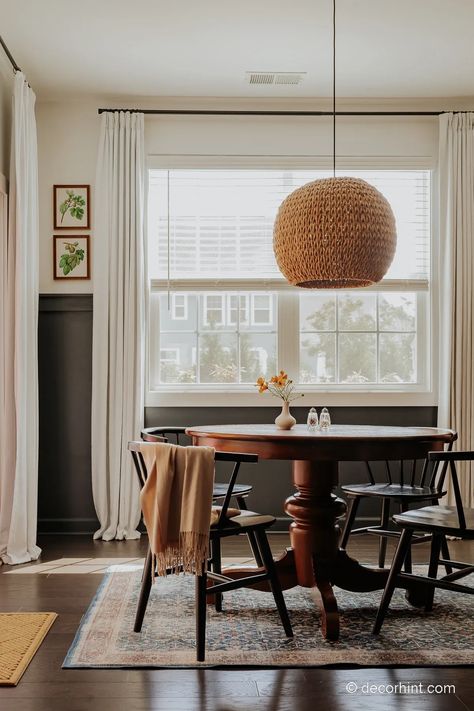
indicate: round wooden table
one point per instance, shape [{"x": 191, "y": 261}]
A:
[{"x": 315, "y": 559}]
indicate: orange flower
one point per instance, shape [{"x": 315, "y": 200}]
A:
[{"x": 262, "y": 388}]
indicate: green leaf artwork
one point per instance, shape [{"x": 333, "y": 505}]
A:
[
  {"x": 74, "y": 204},
  {"x": 71, "y": 258}
]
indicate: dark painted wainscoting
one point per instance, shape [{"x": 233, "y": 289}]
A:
[
  {"x": 65, "y": 370},
  {"x": 65, "y": 381}
]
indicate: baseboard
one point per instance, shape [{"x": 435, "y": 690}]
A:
[
  {"x": 73, "y": 526},
  {"x": 67, "y": 526}
]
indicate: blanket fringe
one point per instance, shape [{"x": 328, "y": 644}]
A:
[{"x": 188, "y": 556}]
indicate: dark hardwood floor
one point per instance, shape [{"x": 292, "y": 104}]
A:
[{"x": 47, "y": 687}]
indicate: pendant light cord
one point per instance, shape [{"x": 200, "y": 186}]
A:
[{"x": 334, "y": 88}]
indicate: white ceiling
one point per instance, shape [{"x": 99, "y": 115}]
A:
[{"x": 385, "y": 48}]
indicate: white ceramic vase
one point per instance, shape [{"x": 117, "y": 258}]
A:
[{"x": 285, "y": 420}]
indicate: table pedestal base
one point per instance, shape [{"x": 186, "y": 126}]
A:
[{"x": 315, "y": 560}]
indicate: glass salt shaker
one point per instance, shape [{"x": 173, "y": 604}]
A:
[
  {"x": 324, "y": 419},
  {"x": 312, "y": 420}
]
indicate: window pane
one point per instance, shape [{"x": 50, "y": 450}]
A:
[
  {"x": 317, "y": 312},
  {"x": 258, "y": 356},
  {"x": 357, "y": 312},
  {"x": 218, "y": 358},
  {"x": 180, "y": 348},
  {"x": 397, "y": 312},
  {"x": 397, "y": 357},
  {"x": 318, "y": 358},
  {"x": 357, "y": 357}
]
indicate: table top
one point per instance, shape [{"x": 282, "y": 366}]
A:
[
  {"x": 339, "y": 443},
  {"x": 335, "y": 432}
]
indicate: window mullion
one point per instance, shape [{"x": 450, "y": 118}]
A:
[{"x": 288, "y": 334}]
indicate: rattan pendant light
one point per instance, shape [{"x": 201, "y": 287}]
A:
[{"x": 334, "y": 233}]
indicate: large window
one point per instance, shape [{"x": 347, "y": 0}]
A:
[{"x": 230, "y": 316}]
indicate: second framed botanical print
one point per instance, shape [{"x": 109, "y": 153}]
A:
[
  {"x": 71, "y": 257},
  {"x": 71, "y": 207}
]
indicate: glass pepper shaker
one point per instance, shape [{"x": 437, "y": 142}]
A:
[
  {"x": 325, "y": 419},
  {"x": 312, "y": 420}
]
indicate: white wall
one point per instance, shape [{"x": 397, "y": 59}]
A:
[
  {"x": 301, "y": 136},
  {"x": 67, "y": 148},
  {"x": 68, "y": 135}
]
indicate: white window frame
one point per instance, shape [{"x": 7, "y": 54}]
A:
[{"x": 423, "y": 393}]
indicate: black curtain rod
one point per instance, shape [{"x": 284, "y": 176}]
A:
[
  {"x": 9, "y": 55},
  {"x": 212, "y": 112}
]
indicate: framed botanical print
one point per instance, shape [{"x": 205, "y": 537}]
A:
[
  {"x": 71, "y": 257},
  {"x": 71, "y": 207}
]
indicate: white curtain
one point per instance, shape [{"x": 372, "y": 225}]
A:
[
  {"x": 456, "y": 373},
  {"x": 118, "y": 331},
  {"x": 19, "y": 346}
]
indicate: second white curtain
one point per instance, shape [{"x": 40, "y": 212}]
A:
[
  {"x": 118, "y": 330},
  {"x": 456, "y": 373}
]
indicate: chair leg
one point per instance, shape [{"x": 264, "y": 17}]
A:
[
  {"x": 217, "y": 568},
  {"x": 144, "y": 591},
  {"x": 407, "y": 566},
  {"x": 242, "y": 504},
  {"x": 436, "y": 542},
  {"x": 275, "y": 584},
  {"x": 350, "y": 518},
  {"x": 400, "y": 553},
  {"x": 255, "y": 549},
  {"x": 445, "y": 554},
  {"x": 384, "y": 519},
  {"x": 201, "y": 611}
]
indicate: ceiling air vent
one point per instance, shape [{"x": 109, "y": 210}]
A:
[{"x": 268, "y": 78}]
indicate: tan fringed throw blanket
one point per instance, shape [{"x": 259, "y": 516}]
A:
[{"x": 176, "y": 503}]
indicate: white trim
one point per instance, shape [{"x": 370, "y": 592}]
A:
[
  {"x": 229, "y": 285},
  {"x": 207, "y": 397},
  {"x": 433, "y": 304},
  {"x": 164, "y": 161},
  {"x": 420, "y": 393}
]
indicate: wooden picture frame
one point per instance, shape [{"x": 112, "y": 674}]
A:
[
  {"x": 71, "y": 207},
  {"x": 71, "y": 257}
]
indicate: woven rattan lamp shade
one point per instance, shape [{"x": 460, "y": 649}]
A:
[{"x": 334, "y": 233}]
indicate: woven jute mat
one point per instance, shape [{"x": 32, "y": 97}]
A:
[{"x": 21, "y": 634}]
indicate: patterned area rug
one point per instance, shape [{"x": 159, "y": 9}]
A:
[{"x": 249, "y": 633}]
